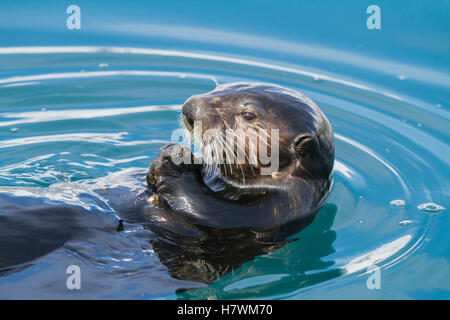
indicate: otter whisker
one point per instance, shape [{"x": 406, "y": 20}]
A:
[
  {"x": 228, "y": 142},
  {"x": 218, "y": 150},
  {"x": 227, "y": 147},
  {"x": 243, "y": 151}
]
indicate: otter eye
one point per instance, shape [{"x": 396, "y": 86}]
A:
[{"x": 248, "y": 116}]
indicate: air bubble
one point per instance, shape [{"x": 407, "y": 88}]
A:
[
  {"x": 405, "y": 223},
  {"x": 397, "y": 203},
  {"x": 430, "y": 207}
]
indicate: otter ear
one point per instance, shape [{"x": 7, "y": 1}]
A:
[{"x": 302, "y": 143}]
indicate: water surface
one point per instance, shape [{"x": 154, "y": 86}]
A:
[{"x": 94, "y": 109}]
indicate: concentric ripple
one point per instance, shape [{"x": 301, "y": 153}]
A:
[{"x": 78, "y": 116}]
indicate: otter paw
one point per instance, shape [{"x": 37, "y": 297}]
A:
[{"x": 172, "y": 160}]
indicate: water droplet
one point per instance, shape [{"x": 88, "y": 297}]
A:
[
  {"x": 397, "y": 203},
  {"x": 430, "y": 207},
  {"x": 361, "y": 221},
  {"x": 103, "y": 65},
  {"x": 14, "y": 129},
  {"x": 361, "y": 197},
  {"x": 401, "y": 77},
  {"x": 419, "y": 124},
  {"x": 405, "y": 223}
]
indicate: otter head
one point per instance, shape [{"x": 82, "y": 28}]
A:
[{"x": 293, "y": 137}]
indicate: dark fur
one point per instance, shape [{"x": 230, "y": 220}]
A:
[
  {"x": 252, "y": 217},
  {"x": 296, "y": 192}
]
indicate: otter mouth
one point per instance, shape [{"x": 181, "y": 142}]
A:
[
  {"x": 189, "y": 125},
  {"x": 202, "y": 147}
]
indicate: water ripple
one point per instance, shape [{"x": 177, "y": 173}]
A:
[
  {"x": 388, "y": 146},
  {"x": 69, "y": 114}
]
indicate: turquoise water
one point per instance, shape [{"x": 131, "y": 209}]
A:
[{"x": 78, "y": 106}]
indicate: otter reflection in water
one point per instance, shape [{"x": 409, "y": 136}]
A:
[
  {"x": 205, "y": 218},
  {"x": 228, "y": 212}
]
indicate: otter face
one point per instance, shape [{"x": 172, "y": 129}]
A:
[{"x": 243, "y": 125}]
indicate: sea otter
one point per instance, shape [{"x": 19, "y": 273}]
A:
[
  {"x": 202, "y": 217},
  {"x": 219, "y": 214},
  {"x": 232, "y": 195}
]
